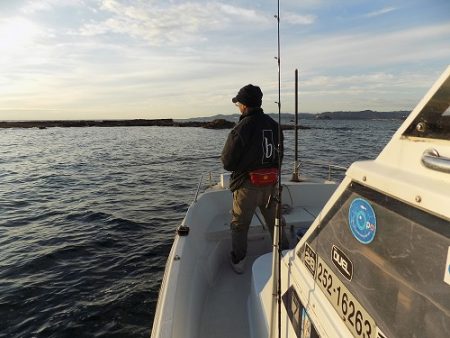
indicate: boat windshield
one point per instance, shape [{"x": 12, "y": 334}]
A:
[
  {"x": 383, "y": 265},
  {"x": 434, "y": 119}
]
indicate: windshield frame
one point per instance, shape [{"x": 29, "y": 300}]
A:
[{"x": 433, "y": 121}]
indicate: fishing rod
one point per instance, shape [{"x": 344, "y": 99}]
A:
[{"x": 277, "y": 233}]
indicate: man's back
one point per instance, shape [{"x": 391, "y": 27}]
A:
[{"x": 252, "y": 144}]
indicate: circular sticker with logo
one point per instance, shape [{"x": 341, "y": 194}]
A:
[{"x": 362, "y": 220}]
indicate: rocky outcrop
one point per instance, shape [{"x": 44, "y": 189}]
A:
[
  {"x": 215, "y": 124},
  {"x": 219, "y": 124},
  {"x": 86, "y": 123}
]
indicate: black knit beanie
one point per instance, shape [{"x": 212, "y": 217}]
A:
[{"x": 250, "y": 95}]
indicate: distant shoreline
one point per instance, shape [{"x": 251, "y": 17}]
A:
[
  {"x": 214, "y": 124},
  {"x": 211, "y": 122}
]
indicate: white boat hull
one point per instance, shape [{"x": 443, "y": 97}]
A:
[{"x": 200, "y": 295}]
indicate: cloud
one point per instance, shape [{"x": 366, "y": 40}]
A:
[
  {"x": 380, "y": 12},
  {"x": 295, "y": 19},
  {"x": 175, "y": 58},
  {"x": 33, "y": 6},
  {"x": 381, "y": 91},
  {"x": 171, "y": 23},
  {"x": 357, "y": 83},
  {"x": 338, "y": 65},
  {"x": 380, "y": 49},
  {"x": 241, "y": 13}
]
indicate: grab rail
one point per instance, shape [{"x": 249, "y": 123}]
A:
[
  {"x": 198, "y": 188},
  {"x": 205, "y": 183},
  {"x": 200, "y": 184},
  {"x": 324, "y": 165},
  {"x": 432, "y": 160}
]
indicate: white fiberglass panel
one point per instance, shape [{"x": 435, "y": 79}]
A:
[{"x": 382, "y": 265}]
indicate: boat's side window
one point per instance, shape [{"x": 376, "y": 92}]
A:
[
  {"x": 434, "y": 119},
  {"x": 447, "y": 112}
]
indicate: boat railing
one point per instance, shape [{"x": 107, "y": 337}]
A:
[
  {"x": 329, "y": 169},
  {"x": 207, "y": 185}
]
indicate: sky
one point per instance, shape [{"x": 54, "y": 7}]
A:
[{"x": 130, "y": 59}]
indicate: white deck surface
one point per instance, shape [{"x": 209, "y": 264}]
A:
[
  {"x": 225, "y": 311},
  {"x": 202, "y": 296}
]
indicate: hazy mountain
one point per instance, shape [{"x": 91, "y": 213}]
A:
[{"x": 338, "y": 115}]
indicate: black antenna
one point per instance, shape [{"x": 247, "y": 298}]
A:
[{"x": 295, "y": 177}]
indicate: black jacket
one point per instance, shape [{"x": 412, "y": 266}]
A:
[{"x": 252, "y": 144}]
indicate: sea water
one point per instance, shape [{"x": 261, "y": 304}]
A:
[{"x": 87, "y": 216}]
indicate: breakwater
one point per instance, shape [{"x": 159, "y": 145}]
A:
[{"x": 214, "y": 124}]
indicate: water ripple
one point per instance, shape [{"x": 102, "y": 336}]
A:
[{"x": 88, "y": 216}]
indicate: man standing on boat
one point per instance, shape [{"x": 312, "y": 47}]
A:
[{"x": 251, "y": 153}]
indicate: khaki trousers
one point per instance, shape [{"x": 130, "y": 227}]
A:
[{"x": 245, "y": 201}]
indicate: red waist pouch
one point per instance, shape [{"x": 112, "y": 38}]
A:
[{"x": 264, "y": 176}]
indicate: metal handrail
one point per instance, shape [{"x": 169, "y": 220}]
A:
[
  {"x": 200, "y": 183},
  {"x": 330, "y": 166},
  {"x": 433, "y": 160},
  {"x": 209, "y": 182},
  {"x": 198, "y": 188},
  {"x": 335, "y": 166}
]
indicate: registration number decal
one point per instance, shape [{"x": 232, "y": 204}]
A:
[
  {"x": 310, "y": 259},
  {"x": 355, "y": 317}
]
